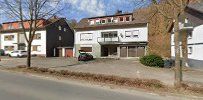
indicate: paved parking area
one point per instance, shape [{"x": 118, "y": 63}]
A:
[
  {"x": 130, "y": 68},
  {"x": 38, "y": 62}
]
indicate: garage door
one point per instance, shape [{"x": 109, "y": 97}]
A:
[
  {"x": 123, "y": 52},
  {"x": 69, "y": 52},
  {"x": 132, "y": 51}
]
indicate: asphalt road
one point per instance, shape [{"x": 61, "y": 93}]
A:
[{"x": 17, "y": 86}]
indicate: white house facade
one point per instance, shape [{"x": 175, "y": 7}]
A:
[
  {"x": 16, "y": 41},
  {"x": 104, "y": 38},
  {"x": 53, "y": 38},
  {"x": 194, "y": 28}
]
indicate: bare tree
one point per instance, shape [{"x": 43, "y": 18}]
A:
[
  {"x": 31, "y": 12},
  {"x": 178, "y": 7}
]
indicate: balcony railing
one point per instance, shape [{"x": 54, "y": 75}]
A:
[{"x": 103, "y": 40}]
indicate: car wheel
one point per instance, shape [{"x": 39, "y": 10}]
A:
[{"x": 9, "y": 55}]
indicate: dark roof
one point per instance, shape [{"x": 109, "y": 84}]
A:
[
  {"x": 194, "y": 13},
  {"x": 197, "y": 6},
  {"x": 84, "y": 24}
]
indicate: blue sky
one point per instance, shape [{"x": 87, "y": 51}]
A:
[{"x": 89, "y": 8}]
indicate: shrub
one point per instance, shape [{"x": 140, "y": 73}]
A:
[{"x": 152, "y": 61}]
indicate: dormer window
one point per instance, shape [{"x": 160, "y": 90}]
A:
[
  {"x": 91, "y": 22},
  {"x": 186, "y": 20},
  {"x": 10, "y": 26},
  {"x": 97, "y": 21},
  {"x": 20, "y": 25},
  {"x": 127, "y": 19},
  {"x": 60, "y": 28},
  {"x": 109, "y": 20},
  {"x": 103, "y": 21},
  {"x": 121, "y": 19}
]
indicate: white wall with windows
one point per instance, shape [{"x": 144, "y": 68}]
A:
[
  {"x": 10, "y": 41},
  {"x": 195, "y": 44},
  {"x": 39, "y": 43},
  {"x": 139, "y": 34}
]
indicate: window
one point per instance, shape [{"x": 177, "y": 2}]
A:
[
  {"x": 60, "y": 38},
  {"x": 8, "y": 48},
  {"x": 91, "y": 22},
  {"x": 36, "y": 48},
  {"x": 10, "y": 26},
  {"x": 60, "y": 27},
  {"x": 186, "y": 20},
  {"x": 128, "y": 34},
  {"x": 8, "y": 37},
  {"x": 121, "y": 19},
  {"x": 135, "y": 34},
  {"x": 20, "y": 25},
  {"x": 86, "y": 37},
  {"x": 111, "y": 34},
  {"x": 97, "y": 21},
  {"x": 109, "y": 20},
  {"x": 132, "y": 34},
  {"x": 37, "y": 36},
  {"x": 127, "y": 19},
  {"x": 86, "y": 49},
  {"x": 103, "y": 21},
  {"x": 64, "y": 29},
  {"x": 190, "y": 35},
  {"x": 190, "y": 50}
]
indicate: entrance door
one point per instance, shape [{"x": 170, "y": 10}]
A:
[{"x": 60, "y": 52}]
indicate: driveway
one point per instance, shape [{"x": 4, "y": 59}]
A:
[{"x": 130, "y": 68}]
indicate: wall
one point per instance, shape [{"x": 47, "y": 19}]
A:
[
  {"x": 41, "y": 42},
  {"x": 9, "y": 43},
  {"x": 53, "y": 33},
  {"x": 196, "y": 42},
  {"x": 143, "y": 37}
]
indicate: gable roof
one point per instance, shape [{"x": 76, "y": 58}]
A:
[
  {"x": 48, "y": 23},
  {"x": 84, "y": 24},
  {"x": 194, "y": 13}
]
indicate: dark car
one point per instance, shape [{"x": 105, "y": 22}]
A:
[
  {"x": 2, "y": 52},
  {"x": 85, "y": 57}
]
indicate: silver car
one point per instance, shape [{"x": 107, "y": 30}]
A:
[{"x": 18, "y": 53}]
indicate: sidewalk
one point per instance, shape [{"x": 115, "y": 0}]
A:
[{"x": 131, "y": 68}]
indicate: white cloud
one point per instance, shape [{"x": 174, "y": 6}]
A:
[{"x": 91, "y": 7}]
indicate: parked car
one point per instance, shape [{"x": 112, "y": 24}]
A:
[
  {"x": 18, "y": 53},
  {"x": 2, "y": 52},
  {"x": 85, "y": 57}
]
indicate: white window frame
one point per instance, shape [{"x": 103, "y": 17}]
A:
[
  {"x": 92, "y": 22},
  {"x": 60, "y": 28},
  {"x": 87, "y": 46},
  {"x": 102, "y": 21},
  {"x": 132, "y": 35},
  {"x": 190, "y": 50},
  {"x": 129, "y": 18},
  {"x": 190, "y": 36},
  {"x": 86, "y": 39}
]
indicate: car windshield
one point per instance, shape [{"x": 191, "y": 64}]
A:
[{"x": 23, "y": 51}]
